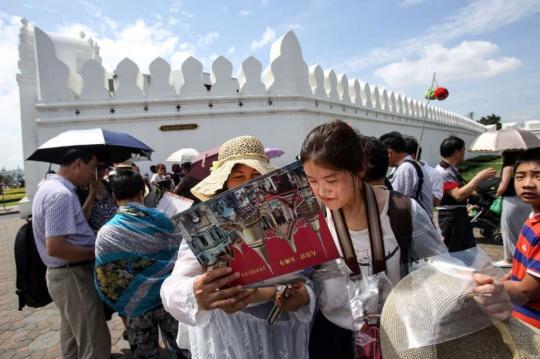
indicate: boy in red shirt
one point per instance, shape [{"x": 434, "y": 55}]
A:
[{"x": 524, "y": 283}]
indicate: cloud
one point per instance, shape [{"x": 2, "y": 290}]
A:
[
  {"x": 468, "y": 60},
  {"x": 11, "y": 153},
  {"x": 267, "y": 37},
  {"x": 231, "y": 50},
  {"x": 246, "y": 12},
  {"x": 208, "y": 39},
  {"x": 140, "y": 41},
  {"x": 479, "y": 17}
]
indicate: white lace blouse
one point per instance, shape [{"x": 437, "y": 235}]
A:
[{"x": 245, "y": 334}]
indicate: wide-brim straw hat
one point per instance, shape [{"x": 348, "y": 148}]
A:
[
  {"x": 509, "y": 339},
  {"x": 245, "y": 150}
]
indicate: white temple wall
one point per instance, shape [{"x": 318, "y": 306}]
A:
[{"x": 279, "y": 104}]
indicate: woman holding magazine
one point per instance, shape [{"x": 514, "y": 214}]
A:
[
  {"x": 231, "y": 322},
  {"x": 333, "y": 156}
]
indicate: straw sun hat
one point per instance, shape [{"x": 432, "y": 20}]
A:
[
  {"x": 246, "y": 150},
  {"x": 436, "y": 305}
]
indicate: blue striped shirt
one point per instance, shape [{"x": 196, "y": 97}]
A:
[{"x": 56, "y": 211}]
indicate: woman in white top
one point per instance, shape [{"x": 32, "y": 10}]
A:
[
  {"x": 334, "y": 160},
  {"x": 231, "y": 322}
]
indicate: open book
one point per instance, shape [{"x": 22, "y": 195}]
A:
[{"x": 270, "y": 230}]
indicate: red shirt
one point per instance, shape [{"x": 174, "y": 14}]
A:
[{"x": 527, "y": 261}]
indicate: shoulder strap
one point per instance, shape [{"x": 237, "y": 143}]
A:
[
  {"x": 376, "y": 240},
  {"x": 400, "y": 215},
  {"x": 375, "y": 235},
  {"x": 420, "y": 174}
]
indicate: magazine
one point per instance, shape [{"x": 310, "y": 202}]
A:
[
  {"x": 171, "y": 204},
  {"x": 270, "y": 230}
]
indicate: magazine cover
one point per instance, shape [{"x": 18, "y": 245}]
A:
[{"x": 268, "y": 230}]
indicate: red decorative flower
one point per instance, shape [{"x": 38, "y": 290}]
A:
[{"x": 441, "y": 93}]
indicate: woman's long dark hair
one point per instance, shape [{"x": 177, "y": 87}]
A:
[{"x": 336, "y": 145}]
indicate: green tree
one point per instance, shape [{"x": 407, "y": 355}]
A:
[{"x": 492, "y": 119}]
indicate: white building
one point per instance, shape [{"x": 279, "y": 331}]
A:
[{"x": 64, "y": 86}]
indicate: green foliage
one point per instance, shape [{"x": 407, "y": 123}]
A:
[
  {"x": 469, "y": 168},
  {"x": 492, "y": 119}
]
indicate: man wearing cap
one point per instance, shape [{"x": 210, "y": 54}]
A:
[{"x": 65, "y": 243}]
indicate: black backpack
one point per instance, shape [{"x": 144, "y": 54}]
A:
[{"x": 31, "y": 284}]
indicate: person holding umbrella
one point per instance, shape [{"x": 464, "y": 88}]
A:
[{"x": 65, "y": 243}]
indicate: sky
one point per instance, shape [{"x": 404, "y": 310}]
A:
[{"x": 485, "y": 52}]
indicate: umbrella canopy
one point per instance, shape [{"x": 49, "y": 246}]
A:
[
  {"x": 509, "y": 139},
  {"x": 109, "y": 146},
  {"x": 272, "y": 152},
  {"x": 200, "y": 166},
  {"x": 183, "y": 155}
]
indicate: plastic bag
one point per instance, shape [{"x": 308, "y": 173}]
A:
[
  {"x": 367, "y": 298},
  {"x": 496, "y": 206},
  {"x": 435, "y": 302}
]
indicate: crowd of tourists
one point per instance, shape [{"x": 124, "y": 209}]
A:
[{"x": 108, "y": 249}]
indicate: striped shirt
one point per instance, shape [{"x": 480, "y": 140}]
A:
[
  {"x": 56, "y": 211},
  {"x": 527, "y": 261}
]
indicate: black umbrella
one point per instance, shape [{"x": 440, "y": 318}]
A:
[{"x": 108, "y": 146}]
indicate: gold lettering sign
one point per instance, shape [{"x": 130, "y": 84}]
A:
[{"x": 187, "y": 126}]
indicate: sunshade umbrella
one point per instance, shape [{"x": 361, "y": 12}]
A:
[
  {"x": 200, "y": 166},
  {"x": 108, "y": 145},
  {"x": 183, "y": 155},
  {"x": 509, "y": 139},
  {"x": 272, "y": 152}
]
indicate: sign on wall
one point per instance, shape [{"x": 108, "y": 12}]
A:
[{"x": 187, "y": 126}]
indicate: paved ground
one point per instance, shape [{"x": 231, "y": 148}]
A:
[{"x": 34, "y": 333}]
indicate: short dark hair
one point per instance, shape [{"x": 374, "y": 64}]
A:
[
  {"x": 394, "y": 141},
  {"x": 74, "y": 154},
  {"x": 186, "y": 166},
  {"x": 532, "y": 155},
  {"x": 377, "y": 160},
  {"x": 450, "y": 145},
  {"x": 412, "y": 146},
  {"x": 335, "y": 145},
  {"x": 127, "y": 185}
]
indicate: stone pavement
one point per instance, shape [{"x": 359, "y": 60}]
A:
[{"x": 34, "y": 333}]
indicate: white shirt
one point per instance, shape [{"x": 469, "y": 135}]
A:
[
  {"x": 334, "y": 301},
  {"x": 405, "y": 180},
  {"x": 435, "y": 178},
  {"x": 242, "y": 335},
  {"x": 156, "y": 178}
]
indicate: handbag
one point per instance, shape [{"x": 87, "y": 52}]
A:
[
  {"x": 496, "y": 206},
  {"x": 367, "y": 340}
]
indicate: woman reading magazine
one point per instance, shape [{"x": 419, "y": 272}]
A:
[
  {"x": 334, "y": 159},
  {"x": 231, "y": 322}
]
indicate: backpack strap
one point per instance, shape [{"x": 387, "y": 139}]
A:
[
  {"x": 400, "y": 215},
  {"x": 420, "y": 175}
]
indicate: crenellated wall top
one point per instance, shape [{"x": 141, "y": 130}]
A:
[{"x": 81, "y": 79}]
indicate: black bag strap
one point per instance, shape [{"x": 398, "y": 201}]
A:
[
  {"x": 400, "y": 215},
  {"x": 420, "y": 175},
  {"x": 375, "y": 235}
]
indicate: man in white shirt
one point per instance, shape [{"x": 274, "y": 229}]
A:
[
  {"x": 435, "y": 178},
  {"x": 408, "y": 176}
]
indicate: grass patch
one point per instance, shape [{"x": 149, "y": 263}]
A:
[
  {"x": 12, "y": 196},
  {"x": 469, "y": 168},
  {"x": 20, "y": 190}
]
